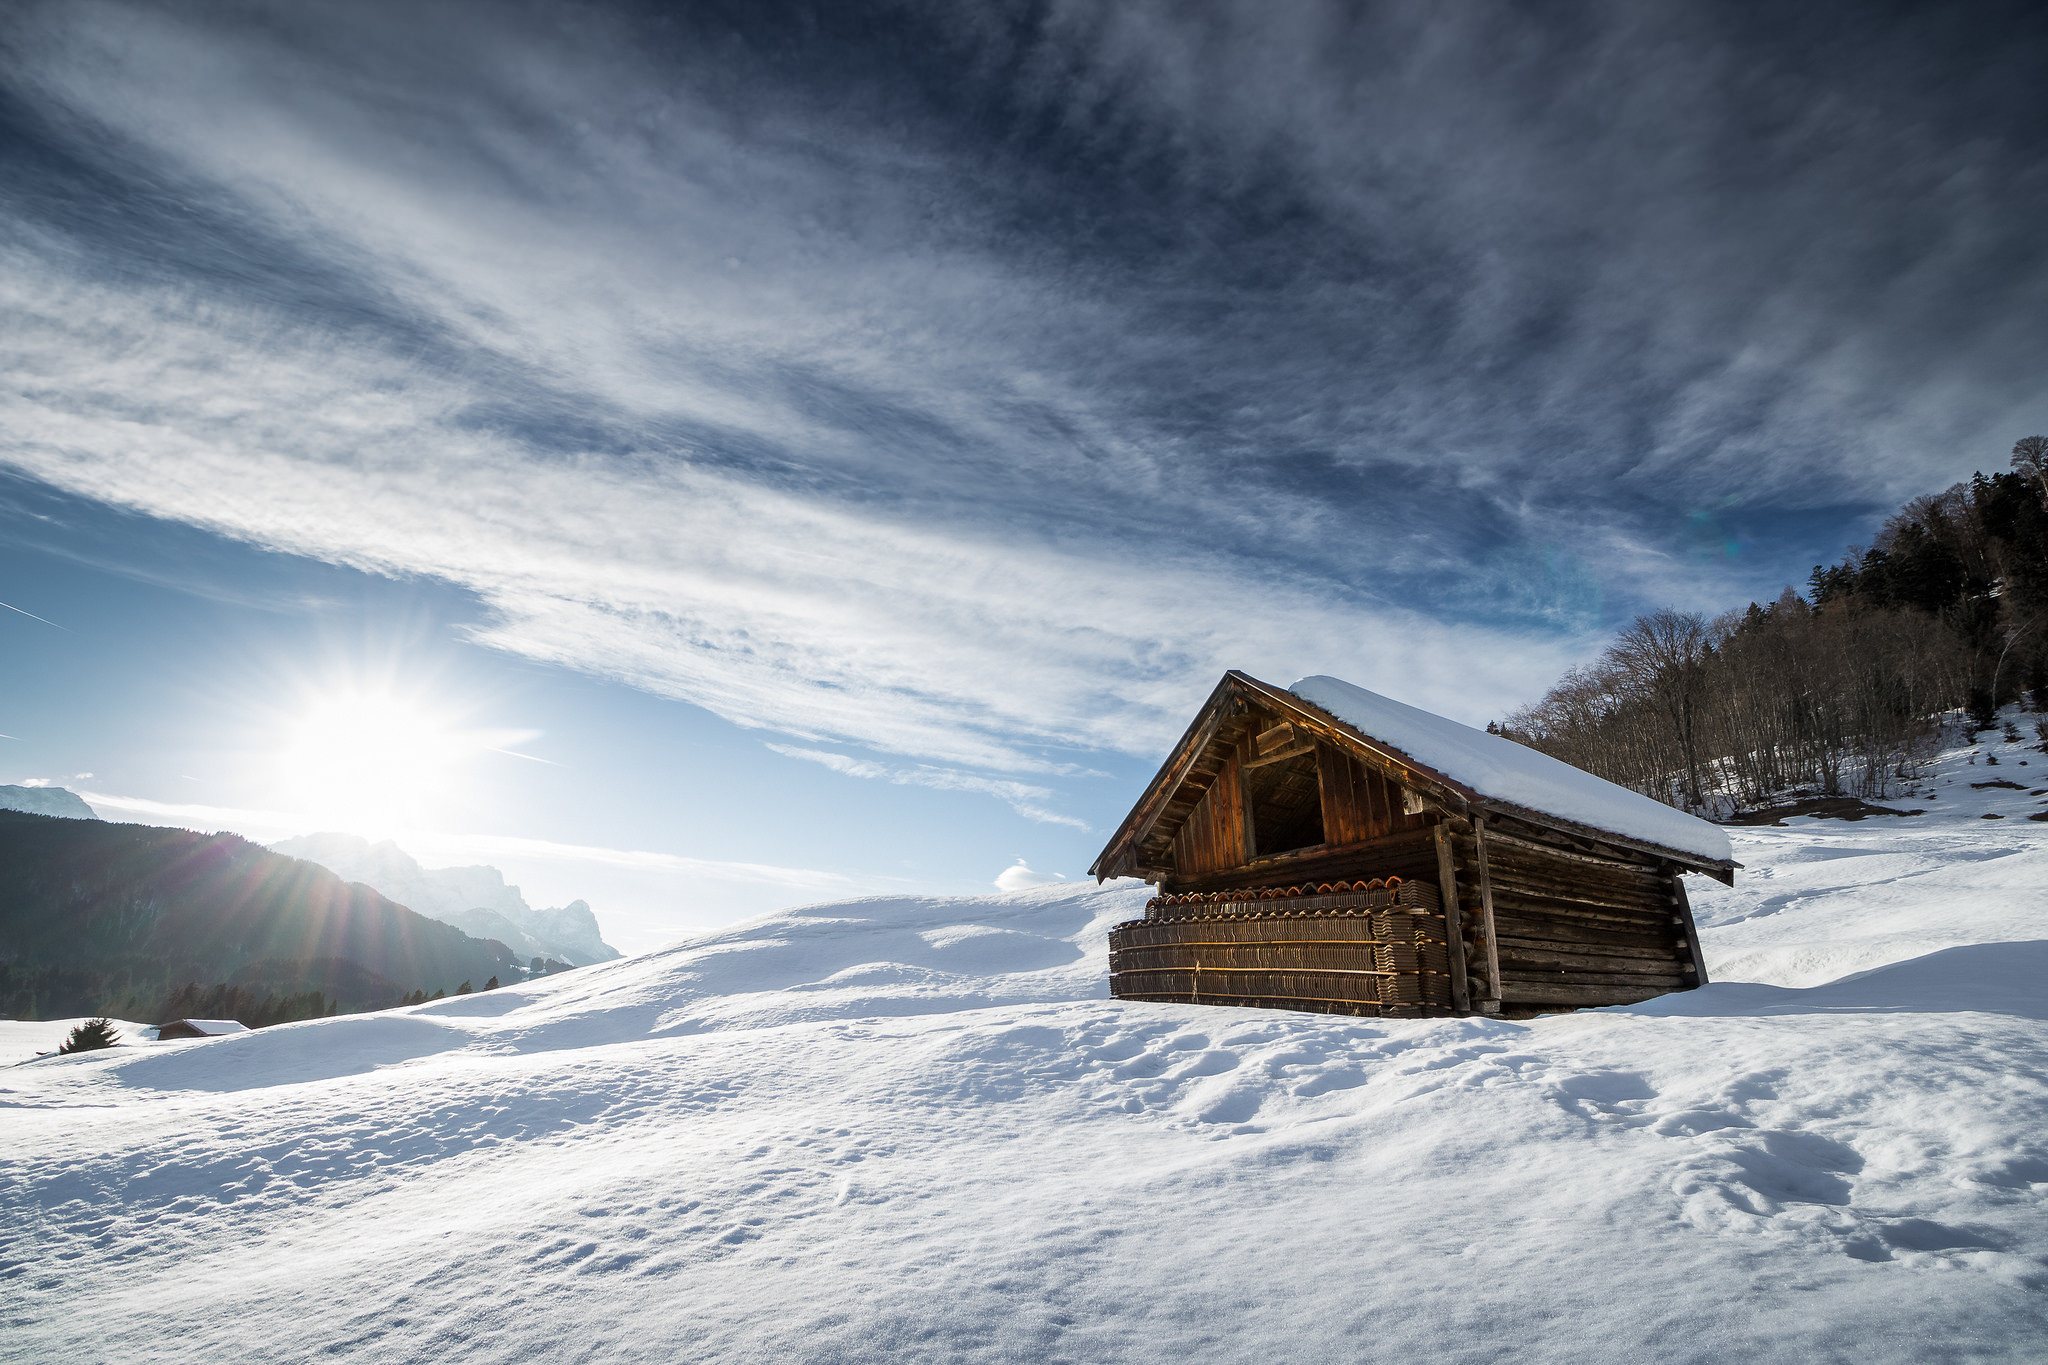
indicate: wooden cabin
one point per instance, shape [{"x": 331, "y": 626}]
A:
[
  {"x": 1325, "y": 848},
  {"x": 198, "y": 1028}
]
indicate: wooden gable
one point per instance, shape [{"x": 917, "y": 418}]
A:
[{"x": 1262, "y": 774}]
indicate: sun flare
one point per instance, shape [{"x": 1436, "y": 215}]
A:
[{"x": 370, "y": 762}]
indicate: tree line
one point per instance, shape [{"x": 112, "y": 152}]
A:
[{"x": 1839, "y": 691}]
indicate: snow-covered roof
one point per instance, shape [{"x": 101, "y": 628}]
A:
[
  {"x": 212, "y": 1028},
  {"x": 1506, "y": 771}
]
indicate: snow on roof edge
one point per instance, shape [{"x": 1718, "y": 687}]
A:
[{"x": 1503, "y": 770}]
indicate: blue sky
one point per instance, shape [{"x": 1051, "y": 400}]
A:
[{"x": 766, "y": 452}]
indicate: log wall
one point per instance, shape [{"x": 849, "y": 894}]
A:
[
  {"x": 1575, "y": 927},
  {"x": 1216, "y": 833}
]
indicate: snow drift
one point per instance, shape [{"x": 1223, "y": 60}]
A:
[{"x": 917, "y": 1128}]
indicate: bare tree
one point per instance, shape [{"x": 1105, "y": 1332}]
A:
[
  {"x": 1664, "y": 658},
  {"x": 2030, "y": 457}
]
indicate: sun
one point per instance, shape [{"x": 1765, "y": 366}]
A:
[{"x": 370, "y": 762}]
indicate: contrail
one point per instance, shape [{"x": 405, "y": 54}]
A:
[
  {"x": 510, "y": 753},
  {"x": 33, "y": 617}
]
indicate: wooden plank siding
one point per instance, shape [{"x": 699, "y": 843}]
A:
[
  {"x": 1359, "y": 803},
  {"x": 1216, "y": 834}
]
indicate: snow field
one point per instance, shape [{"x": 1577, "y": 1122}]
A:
[
  {"x": 22, "y": 1040},
  {"x": 916, "y": 1129}
]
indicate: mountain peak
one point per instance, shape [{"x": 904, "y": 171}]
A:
[
  {"x": 46, "y": 801},
  {"x": 475, "y": 899}
]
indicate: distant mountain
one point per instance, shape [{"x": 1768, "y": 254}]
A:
[
  {"x": 107, "y": 918},
  {"x": 573, "y": 927},
  {"x": 46, "y": 801},
  {"x": 475, "y": 900}
]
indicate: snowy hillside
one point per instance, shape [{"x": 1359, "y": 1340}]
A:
[{"x": 917, "y": 1129}]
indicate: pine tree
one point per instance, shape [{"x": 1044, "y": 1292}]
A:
[
  {"x": 92, "y": 1035},
  {"x": 492, "y": 984},
  {"x": 464, "y": 989}
]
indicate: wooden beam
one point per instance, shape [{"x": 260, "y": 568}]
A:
[
  {"x": 1654, "y": 853},
  {"x": 1558, "y": 995},
  {"x": 1296, "y": 751},
  {"x": 1307, "y": 716},
  {"x": 1567, "y": 855},
  {"x": 1692, "y": 932},
  {"x": 1486, "y": 926},
  {"x": 1281, "y": 736},
  {"x": 1447, "y": 886}
]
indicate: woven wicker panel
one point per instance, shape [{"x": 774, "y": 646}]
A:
[
  {"x": 1287, "y": 957},
  {"x": 1304, "y": 899},
  {"x": 1227, "y": 987},
  {"x": 1390, "y": 960},
  {"x": 1245, "y": 929}
]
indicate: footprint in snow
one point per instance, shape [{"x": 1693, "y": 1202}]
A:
[
  {"x": 1604, "y": 1094},
  {"x": 1342, "y": 1078},
  {"x": 1884, "y": 1241},
  {"x": 1213, "y": 1063},
  {"x": 1236, "y": 1106}
]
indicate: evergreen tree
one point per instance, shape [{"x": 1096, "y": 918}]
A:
[
  {"x": 464, "y": 989},
  {"x": 92, "y": 1035},
  {"x": 492, "y": 984}
]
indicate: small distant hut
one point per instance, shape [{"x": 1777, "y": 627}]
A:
[
  {"x": 1325, "y": 848},
  {"x": 199, "y": 1028}
]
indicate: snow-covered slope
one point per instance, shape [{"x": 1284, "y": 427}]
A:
[
  {"x": 917, "y": 1129},
  {"x": 24, "y": 1039}
]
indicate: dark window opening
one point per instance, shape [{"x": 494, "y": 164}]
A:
[{"x": 1286, "y": 804}]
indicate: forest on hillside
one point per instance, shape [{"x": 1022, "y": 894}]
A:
[
  {"x": 1840, "y": 691},
  {"x": 146, "y": 923}
]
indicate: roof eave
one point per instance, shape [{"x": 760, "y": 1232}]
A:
[{"x": 1116, "y": 853}]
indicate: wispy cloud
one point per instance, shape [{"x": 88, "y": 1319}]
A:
[
  {"x": 811, "y": 391},
  {"x": 804, "y": 879},
  {"x": 1028, "y": 801},
  {"x": 439, "y": 846}
]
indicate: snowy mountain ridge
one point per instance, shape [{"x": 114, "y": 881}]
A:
[
  {"x": 917, "y": 1128},
  {"x": 60, "y": 801},
  {"x": 476, "y": 900}
]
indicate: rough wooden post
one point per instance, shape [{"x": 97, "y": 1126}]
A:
[
  {"x": 1486, "y": 929},
  {"x": 1687, "y": 927},
  {"x": 1454, "y": 923}
]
